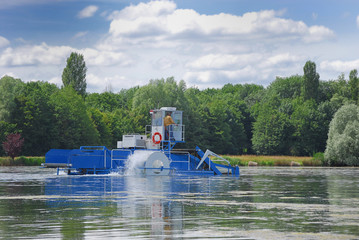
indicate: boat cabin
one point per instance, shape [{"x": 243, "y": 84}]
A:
[{"x": 157, "y": 135}]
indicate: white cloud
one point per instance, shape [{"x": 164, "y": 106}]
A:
[
  {"x": 3, "y": 42},
  {"x": 223, "y": 61},
  {"x": 162, "y": 21},
  {"x": 45, "y": 55},
  {"x": 283, "y": 59},
  {"x": 156, "y": 39},
  {"x": 97, "y": 83},
  {"x": 339, "y": 65},
  {"x": 87, "y": 12},
  {"x": 56, "y": 80},
  {"x": 217, "y": 69},
  {"x": 164, "y": 63},
  {"x": 318, "y": 34},
  {"x": 94, "y": 57},
  {"x": 358, "y": 21},
  {"x": 80, "y": 34},
  {"x": 34, "y": 55},
  {"x": 10, "y": 74},
  {"x": 216, "y": 79}
]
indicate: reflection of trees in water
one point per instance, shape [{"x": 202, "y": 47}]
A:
[
  {"x": 129, "y": 205},
  {"x": 277, "y": 199},
  {"x": 291, "y": 200},
  {"x": 343, "y": 195},
  {"x": 281, "y": 199},
  {"x": 18, "y": 212}
]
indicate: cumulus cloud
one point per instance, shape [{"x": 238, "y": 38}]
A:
[
  {"x": 87, "y": 12},
  {"x": 163, "y": 21},
  {"x": 164, "y": 63},
  {"x": 318, "y": 33},
  {"x": 223, "y": 61},
  {"x": 94, "y": 57},
  {"x": 217, "y": 69},
  {"x": 3, "y": 42},
  {"x": 157, "y": 39},
  {"x": 97, "y": 83},
  {"x": 217, "y": 78},
  {"x": 46, "y": 55},
  {"x": 34, "y": 55},
  {"x": 339, "y": 65}
]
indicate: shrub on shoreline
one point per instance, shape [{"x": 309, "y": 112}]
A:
[{"x": 22, "y": 161}]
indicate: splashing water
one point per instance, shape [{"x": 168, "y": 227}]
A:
[{"x": 135, "y": 161}]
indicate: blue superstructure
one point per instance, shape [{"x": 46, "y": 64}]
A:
[{"x": 152, "y": 153}]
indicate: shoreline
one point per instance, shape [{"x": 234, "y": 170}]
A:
[
  {"x": 22, "y": 161},
  {"x": 240, "y": 160},
  {"x": 276, "y": 161}
]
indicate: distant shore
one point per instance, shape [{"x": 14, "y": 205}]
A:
[
  {"x": 261, "y": 160},
  {"x": 240, "y": 160},
  {"x": 22, "y": 161}
]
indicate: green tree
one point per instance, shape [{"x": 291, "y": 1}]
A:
[
  {"x": 192, "y": 118},
  {"x": 237, "y": 117},
  {"x": 216, "y": 132},
  {"x": 34, "y": 116},
  {"x": 9, "y": 89},
  {"x": 354, "y": 84},
  {"x": 158, "y": 93},
  {"x": 306, "y": 135},
  {"x": 311, "y": 81},
  {"x": 76, "y": 126},
  {"x": 105, "y": 102},
  {"x": 271, "y": 132},
  {"x": 121, "y": 122},
  {"x": 343, "y": 138},
  {"x": 287, "y": 87},
  {"x": 74, "y": 74},
  {"x": 101, "y": 122}
]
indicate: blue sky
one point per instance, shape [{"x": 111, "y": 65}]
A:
[{"x": 206, "y": 43}]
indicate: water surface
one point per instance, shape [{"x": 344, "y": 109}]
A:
[{"x": 264, "y": 203}]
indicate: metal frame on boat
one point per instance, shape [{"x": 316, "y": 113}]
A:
[{"x": 153, "y": 152}]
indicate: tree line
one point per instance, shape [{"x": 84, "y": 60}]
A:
[{"x": 291, "y": 116}]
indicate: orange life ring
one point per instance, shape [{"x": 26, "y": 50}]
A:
[{"x": 154, "y": 140}]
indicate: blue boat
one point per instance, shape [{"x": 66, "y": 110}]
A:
[{"x": 152, "y": 153}]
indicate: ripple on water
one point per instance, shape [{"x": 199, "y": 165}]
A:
[{"x": 264, "y": 203}]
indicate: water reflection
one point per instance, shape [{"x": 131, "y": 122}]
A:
[{"x": 265, "y": 203}]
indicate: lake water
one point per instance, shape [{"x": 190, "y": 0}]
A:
[{"x": 264, "y": 203}]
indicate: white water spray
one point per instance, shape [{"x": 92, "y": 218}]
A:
[{"x": 135, "y": 161}]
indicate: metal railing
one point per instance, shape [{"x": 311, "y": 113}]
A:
[
  {"x": 148, "y": 132},
  {"x": 210, "y": 153},
  {"x": 184, "y": 153},
  {"x": 123, "y": 158}
]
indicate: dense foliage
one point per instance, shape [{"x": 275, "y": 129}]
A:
[
  {"x": 289, "y": 117},
  {"x": 74, "y": 74},
  {"x": 343, "y": 140}
]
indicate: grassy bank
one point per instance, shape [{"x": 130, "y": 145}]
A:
[
  {"x": 243, "y": 160},
  {"x": 22, "y": 161}
]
